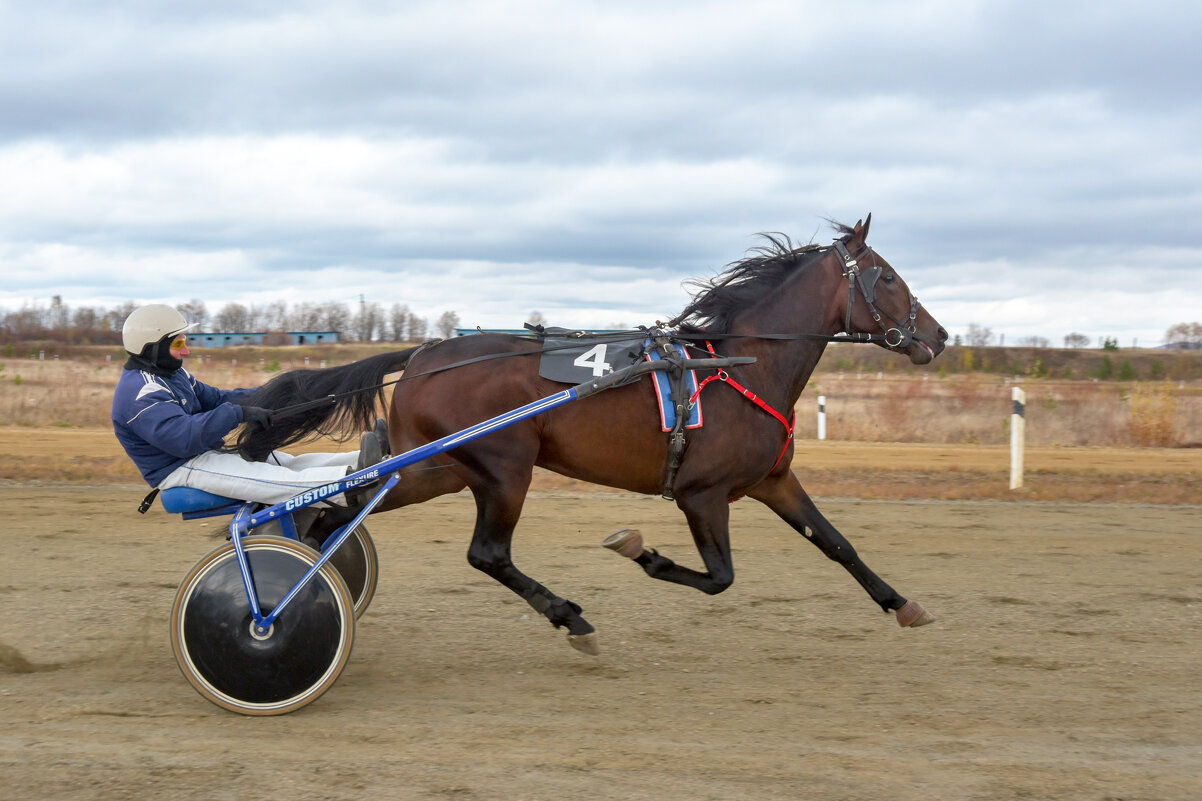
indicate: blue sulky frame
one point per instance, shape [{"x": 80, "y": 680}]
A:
[{"x": 245, "y": 519}]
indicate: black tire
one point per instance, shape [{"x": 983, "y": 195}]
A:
[
  {"x": 304, "y": 652},
  {"x": 359, "y": 565}
]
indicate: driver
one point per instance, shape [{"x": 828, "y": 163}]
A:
[{"x": 172, "y": 426}]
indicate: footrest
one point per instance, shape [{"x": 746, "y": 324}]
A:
[{"x": 178, "y": 500}]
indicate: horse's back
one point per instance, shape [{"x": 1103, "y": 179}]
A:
[{"x": 612, "y": 438}]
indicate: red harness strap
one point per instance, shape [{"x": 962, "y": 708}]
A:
[{"x": 751, "y": 396}]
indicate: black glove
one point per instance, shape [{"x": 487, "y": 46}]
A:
[{"x": 257, "y": 415}]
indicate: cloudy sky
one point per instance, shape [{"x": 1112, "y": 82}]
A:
[{"x": 1032, "y": 167}]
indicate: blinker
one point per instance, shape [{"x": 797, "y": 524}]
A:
[{"x": 867, "y": 280}]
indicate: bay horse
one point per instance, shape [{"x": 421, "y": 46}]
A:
[{"x": 781, "y": 304}]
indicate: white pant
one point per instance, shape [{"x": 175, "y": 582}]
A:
[{"x": 279, "y": 478}]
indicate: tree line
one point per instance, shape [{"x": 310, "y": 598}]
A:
[
  {"x": 97, "y": 325},
  {"x": 368, "y": 322},
  {"x": 1183, "y": 336}
]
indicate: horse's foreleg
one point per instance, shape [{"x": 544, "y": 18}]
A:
[
  {"x": 709, "y": 519},
  {"x": 497, "y": 514},
  {"x": 784, "y": 495}
]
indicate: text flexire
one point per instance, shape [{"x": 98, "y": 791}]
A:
[{"x": 306, "y": 498}]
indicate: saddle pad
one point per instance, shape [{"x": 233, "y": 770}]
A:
[
  {"x": 574, "y": 361},
  {"x": 663, "y": 393}
]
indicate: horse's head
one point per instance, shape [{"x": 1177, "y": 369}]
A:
[{"x": 879, "y": 301}]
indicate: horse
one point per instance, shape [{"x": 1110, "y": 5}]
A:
[{"x": 780, "y": 304}]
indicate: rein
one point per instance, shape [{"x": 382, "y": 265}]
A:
[
  {"x": 899, "y": 336},
  {"x": 313, "y": 404}
]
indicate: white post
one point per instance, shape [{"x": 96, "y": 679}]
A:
[
  {"x": 821, "y": 417},
  {"x": 1017, "y": 431}
]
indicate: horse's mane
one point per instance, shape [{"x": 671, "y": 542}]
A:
[{"x": 746, "y": 281}]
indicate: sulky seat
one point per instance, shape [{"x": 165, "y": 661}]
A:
[{"x": 180, "y": 500}]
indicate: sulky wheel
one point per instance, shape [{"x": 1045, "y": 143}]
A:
[
  {"x": 359, "y": 566},
  {"x": 355, "y": 560},
  {"x": 302, "y": 654}
]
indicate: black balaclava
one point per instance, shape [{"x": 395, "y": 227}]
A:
[{"x": 156, "y": 357}]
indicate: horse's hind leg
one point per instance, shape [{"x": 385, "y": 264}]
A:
[
  {"x": 497, "y": 511},
  {"x": 783, "y": 494},
  {"x": 708, "y": 514}
]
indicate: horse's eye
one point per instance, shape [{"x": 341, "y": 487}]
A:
[{"x": 888, "y": 278}]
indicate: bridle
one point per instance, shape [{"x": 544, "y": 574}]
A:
[{"x": 902, "y": 333}]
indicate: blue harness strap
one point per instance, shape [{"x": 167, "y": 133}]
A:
[{"x": 663, "y": 393}]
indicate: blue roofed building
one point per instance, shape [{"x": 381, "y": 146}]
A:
[{"x": 269, "y": 338}]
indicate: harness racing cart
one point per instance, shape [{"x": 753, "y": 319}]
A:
[{"x": 264, "y": 624}]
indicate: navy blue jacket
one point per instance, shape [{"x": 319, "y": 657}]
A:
[{"x": 163, "y": 421}]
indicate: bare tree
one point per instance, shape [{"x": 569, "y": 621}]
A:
[
  {"x": 1033, "y": 342},
  {"x": 28, "y": 323},
  {"x": 1076, "y": 340},
  {"x": 1184, "y": 335},
  {"x": 304, "y": 317},
  {"x": 85, "y": 318},
  {"x": 115, "y": 318},
  {"x": 398, "y": 323},
  {"x": 418, "y": 326},
  {"x": 233, "y": 318},
  {"x": 274, "y": 316},
  {"x": 978, "y": 336},
  {"x": 369, "y": 321},
  {"x": 536, "y": 318},
  {"x": 256, "y": 318},
  {"x": 194, "y": 311},
  {"x": 447, "y": 324},
  {"x": 335, "y": 317}
]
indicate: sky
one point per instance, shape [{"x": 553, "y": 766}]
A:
[{"x": 1033, "y": 168}]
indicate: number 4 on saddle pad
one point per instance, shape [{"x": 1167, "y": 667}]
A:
[{"x": 572, "y": 361}]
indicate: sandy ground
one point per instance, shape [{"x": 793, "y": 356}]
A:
[{"x": 1064, "y": 664}]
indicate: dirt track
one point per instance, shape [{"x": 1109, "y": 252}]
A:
[{"x": 1064, "y": 664}]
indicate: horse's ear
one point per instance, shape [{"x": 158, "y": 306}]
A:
[{"x": 860, "y": 232}]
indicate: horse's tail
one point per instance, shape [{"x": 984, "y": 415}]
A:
[{"x": 334, "y": 401}]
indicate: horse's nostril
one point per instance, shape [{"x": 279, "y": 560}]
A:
[{"x": 942, "y": 334}]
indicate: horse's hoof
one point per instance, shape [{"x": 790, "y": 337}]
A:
[
  {"x": 585, "y": 643},
  {"x": 912, "y": 615},
  {"x": 628, "y": 542}
]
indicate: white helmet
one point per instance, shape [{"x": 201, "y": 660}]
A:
[{"x": 149, "y": 324}]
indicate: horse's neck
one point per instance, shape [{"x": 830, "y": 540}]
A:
[{"x": 784, "y": 366}]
